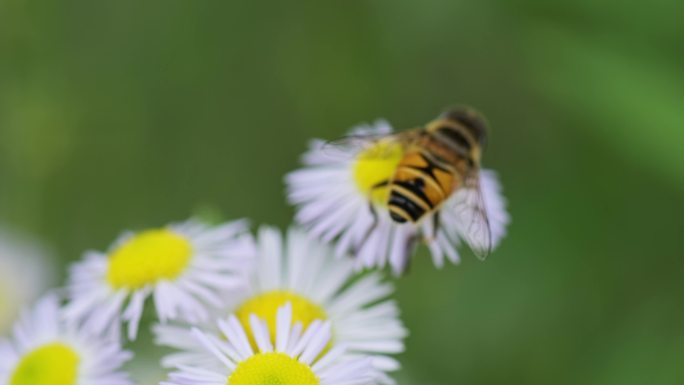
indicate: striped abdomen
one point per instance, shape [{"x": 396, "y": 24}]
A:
[
  {"x": 420, "y": 184},
  {"x": 442, "y": 155}
]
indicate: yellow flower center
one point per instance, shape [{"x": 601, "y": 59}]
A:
[
  {"x": 265, "y": 306},
  {"x": 148, "y": 257},
  {"x": 376, "y": 165},
  {"x": 273, "y": 369},
  {"x": 52, "y": 364}
]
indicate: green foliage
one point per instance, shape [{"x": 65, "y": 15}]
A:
[{"x": 130, "y": 114}]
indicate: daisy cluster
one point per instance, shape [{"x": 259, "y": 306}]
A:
[{"x": 299, "y": 307}]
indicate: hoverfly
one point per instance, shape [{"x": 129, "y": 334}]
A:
[{"x": 438, "y": 161}]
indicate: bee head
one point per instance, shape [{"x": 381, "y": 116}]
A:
[{"x": 470, "y": 119}]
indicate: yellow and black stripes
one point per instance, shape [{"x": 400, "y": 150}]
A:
[
  {"x": 454, "y": 139},
  {"x": 419, "y": 186},
  {"x": 438, "y": 158},
  {"x": 407, "y": 201},
  {"x": 469, "y": 119}
]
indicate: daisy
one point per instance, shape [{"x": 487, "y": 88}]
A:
[
  {"x": 304, "y": 272},
  {"x": 187, "y": 268},
  {"x": 26, "y": 271},
  {"x": 45, "y": 350},
  {"x": 337, "y": 187},
  {"x": 291, "y": 355}
]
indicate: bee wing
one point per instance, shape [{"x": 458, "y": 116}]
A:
[
  {"x": 353, "y": 144},
  {"x": 323, "y": 152},
  {"x": 471, "y": 217},
  {"x": 354, "y": 141}
]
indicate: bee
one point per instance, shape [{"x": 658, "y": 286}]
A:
[{"x": 439, "y": 160}]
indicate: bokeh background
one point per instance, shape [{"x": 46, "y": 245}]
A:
[{"x": 127, "y": 114}]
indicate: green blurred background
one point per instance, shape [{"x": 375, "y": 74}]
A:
[{"x": 128, "y": 114}]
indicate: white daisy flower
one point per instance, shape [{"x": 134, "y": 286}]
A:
[
  {"x": 337, "y": 198},
  {"x": 304, "y": 272},
  {"x": 187, "y": 268},
  {"x": 289, "y": 355},
  {"x": 26, "y": 272},
  {"x": 45, "y": 350}
]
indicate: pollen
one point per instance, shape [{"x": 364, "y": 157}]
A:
[
  {"x": 273, "y": 369},
  {"x": 52, "y": 364},
  {"x": 265, "y": 306},
  {"x": 147, "y": 258},
  {"x": 376, "y": 165}
]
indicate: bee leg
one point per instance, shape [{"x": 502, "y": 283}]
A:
[
  {"x": 372, "y": 227},
  {"x": 435, "y": 227},
  {"x": 411, "y": 243},
  {"x": 374, "y": 213},
  {"x": 378, "y": 185}
]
